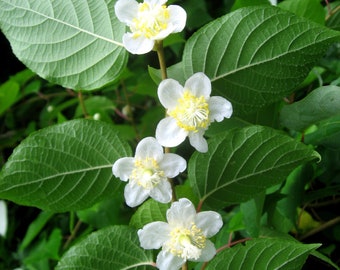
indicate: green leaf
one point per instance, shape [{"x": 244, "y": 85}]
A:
[
  {"x": 256, "y": 55},
  {"x": 252, "y": 213},
  {"x": 310, "y": 9},
  {"x": 266, "y": 253},
  {"x": 327, "y": 134},
  {"x": 148, "y": 212},
  {"x": 64, "y": 167},
  {"x": 35, "y": 228},
  {"x": 8, "y": 95},
  {"x": 246, "y": 3},
  {"x": 320, "y": 104},
  {"x": 333, "y": 21},
  {"x": 72, "y": 43},
  {"x": 107, "y": 249},
  {"x": 244, "y": 162}
]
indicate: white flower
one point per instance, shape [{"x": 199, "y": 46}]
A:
[
  {"x": 148, "y": 172},
  {"x": 190, "y": 111},
  {"x": 149, "y": 21},
  {"x": 184, "y": 237}
]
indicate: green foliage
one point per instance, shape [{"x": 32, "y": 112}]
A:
[
  {"x": 243, "y": 163},
  {"x": 82, "y": 28},
  {"x": 114, "y": 247},
  {"x": 65, "y": 167},
  {"x": 271, "y": 170},
  {"x": 264, "y": 253},
  {"x": 270, "y": 47}
]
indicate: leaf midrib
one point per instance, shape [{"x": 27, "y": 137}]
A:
[{"x": 68, "y": 25}]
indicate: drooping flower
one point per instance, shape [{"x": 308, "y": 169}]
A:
[
  {"x": 149, "y": 21},
  {"x": 190, "y": 111},
  {"x": 184, "y": 237},
  {"x": 148, "y": 172}
]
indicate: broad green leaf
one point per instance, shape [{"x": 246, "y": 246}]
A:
[
  {"x": 148, "y": 212},
  {"x": 244, "y": 162},
  {"x": 320, "y": 104},
  {"x": 310, "y": 9},
  {"x": 8, "y": 95},
  {"x": 327, "y": 133},
  {"x": 265, "y": 253},
  {"x": 254, "y": 56},
  {"x": 64, "y": 167},
  {"x": 111, "y": 248},
  {"x": 72, "y": 43}
]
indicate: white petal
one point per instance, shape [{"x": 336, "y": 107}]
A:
[
  {"x": 135, "y": 194},
  {"x": 169, "y": 91},
  {"x": 126, "y": 10},
  {"x": 181, "y": 213},
  {"x": 3, "y": 218},
  {"x": 209, "y": 222},
  {"x": 167, "y": 261},
  {"x": 123, "y": 168},
  {"x": 162, "y": 192},
  {"x": 219, "y": 108},
  {"x": 139, "y": 45},
  {"x": 208, "y": 252},
  {"x": 153, "y": 235},
  {"x": 197, "y": 140},
  {"x": 169, "y": 134},
  {"x": 172, "y": 165},
  {"x": 149, "y": 148},
  {"x": 199, "y": 84},
  {"x": 178, "y": 17},
  {"x": 164, "y": 33}
]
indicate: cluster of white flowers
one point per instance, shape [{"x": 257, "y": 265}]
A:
[{"x": 190, "y": 110}]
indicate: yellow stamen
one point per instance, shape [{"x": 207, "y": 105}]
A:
[
  {"x": 191, "y": 112},
  {"x": 150, "y": 21}
]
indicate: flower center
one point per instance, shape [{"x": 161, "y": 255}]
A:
[
  {"x": 186, "y": 243},
  {"x": 147, "y": 173},
  {"x": 150, "y": 21},
  {"x": 191, "y": 112}
]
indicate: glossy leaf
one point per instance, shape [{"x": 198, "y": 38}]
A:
[
  {"x": 72, "y": 43},
  {"x": 64, "y": 167},
  {"x": 110, "y": 248},
  {"x": 265, "y": 253},
  {"x": 244, "y": 162},
  {"x": 256, "y": 55},
  {"x": 320, "y": 104}
]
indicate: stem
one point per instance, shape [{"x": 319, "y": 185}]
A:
[
  {"x": 82, "y": 104},
  {"x": 161, "y": 58},
  {"x": 73, "y": 235},
  {"x": 185, "y": 266},
  {"x": 322, "y": 227}
]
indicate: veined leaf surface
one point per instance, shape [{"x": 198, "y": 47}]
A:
[
  {"x": 64, "y": 167},
  {"x": 72, "y": 43},
  {"x": 243, "y": 163},
  {"x": 111, "y": 248},
  {"x": 256, "y": 55}
]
